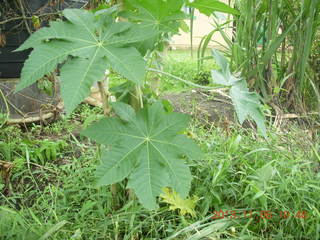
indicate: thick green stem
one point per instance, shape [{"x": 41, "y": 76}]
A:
[
  {"x": 104, "y": 98},
  {"x": 136, "y": 102},
  {"x": 136, "y": 98},
  {"x": 104, "y": 92},
  {"x": 182, "y": 80}
]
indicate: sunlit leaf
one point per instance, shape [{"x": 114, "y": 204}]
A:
[
  {"x": 207, "y": 7},
  {"x": 185, "y": 206},
  {"x": 87, "y": 48}
]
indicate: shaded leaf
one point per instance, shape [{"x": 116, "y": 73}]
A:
[
  {"x": 148, "y": 150},
  {"x": 124, "y": 111}
]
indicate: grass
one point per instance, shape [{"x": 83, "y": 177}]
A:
[
  {"x": 239, "y": 172},
  {"x": 53, "y": 194},
  {"x": 180, "y": 64}
]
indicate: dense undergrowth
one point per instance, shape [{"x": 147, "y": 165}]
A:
[{"x": 51, "y": 193}]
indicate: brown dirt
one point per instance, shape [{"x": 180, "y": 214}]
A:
[{"x": 208, "y": 107}]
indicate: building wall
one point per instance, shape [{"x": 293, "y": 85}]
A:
[{"x": 202, "y": 26}]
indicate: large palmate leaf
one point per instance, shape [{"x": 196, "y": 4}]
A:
[
  {"x": 247, "y": 104},
  {"x": 207, "y": 7},
  {"x": 87, "y": 46},
  {"x": 147, "y": 149},
  {"x": 162, "y": 16}
]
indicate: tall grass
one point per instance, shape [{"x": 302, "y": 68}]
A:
[{"x": 271, "y": 46}]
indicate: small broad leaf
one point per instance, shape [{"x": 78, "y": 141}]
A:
[
  {"x": 207, "y": 7},
  {"x": 124, "y": 111},
  {"x": 220, "y": 78},
  {"x": 185, "y": 206},
  {"x": 87, "y": 46},
  {"x": 265, "y": 173},
  {"x": 247, "y": 104},
  {"x": 221, "y": 61},
  {"x": 148, "y": 150}
]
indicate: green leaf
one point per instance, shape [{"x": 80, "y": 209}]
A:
[
  {"x": 185, "y": 206},
  {"x": 55, "y": 228},
  {"x": 127, "y": 62},
  {"x": 207, "y": 7},
  {"x": 124, "y": 111},
  {"x": 160, "y": 16},
  {"x": 218, "y": 77},
  {"x": 77, "y": 77},
  {"x": 258, "y": 195},
  {"x": 87, "y": 47},
  {"x": 222, "y": 76},
  {"x": 221, "y": 61},
  {"x": 42, "y": 61},
  {"x": 247, "y": 104},
  {"x": 148, "y": 150}
]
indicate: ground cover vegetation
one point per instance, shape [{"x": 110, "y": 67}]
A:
[
  {"x": 58, "y": 199},
  {"x": 161, "y": 174}
]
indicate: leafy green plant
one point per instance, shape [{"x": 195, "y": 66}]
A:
[
  {"x": 202, "y": 78},
  {"x": 46, "y": 86},
  {"x": 87, "y": 44},
  {"x": 165, "y": 18},
  {"x": 146, "y": 148},
  {"x": 224, "y": 178},
  {"x": 87, "y": 47},
  {"x": 46, "y": 150},
  {"x": 13, "y": 226}
]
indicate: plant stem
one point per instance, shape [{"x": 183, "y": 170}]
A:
[
  {"x": 182, "y": 80},
  {"x": 7, "y": 108},
  {"x": 136, "y": 98},
  {"x": 24, "y": 17},
  {"x": 136, "y": 102},
  {"x": 104, "y": 97},
  {"x": 191, "y": 31},
  {"x": 103, "y": 89}
]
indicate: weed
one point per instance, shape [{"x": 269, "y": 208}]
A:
[{"x": 240, "y": 172}]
